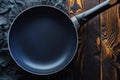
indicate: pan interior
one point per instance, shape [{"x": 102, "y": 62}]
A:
[{"x": 42, "y": 40}]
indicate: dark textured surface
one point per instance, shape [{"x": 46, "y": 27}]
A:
[{"x": 85, "y": 65}]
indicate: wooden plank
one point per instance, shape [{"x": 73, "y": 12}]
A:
[
  {"x": 86, "y": 62},
  {"x": 109, "y": 23},
  {"x": 90, "y": 68}
]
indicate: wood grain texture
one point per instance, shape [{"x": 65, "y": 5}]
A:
[
  {"x": 106, "y": 27},
  {"x": 110, "y": 30},
  {"x": 86, "y": 62}
]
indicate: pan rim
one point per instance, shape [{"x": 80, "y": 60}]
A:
[{"x": 22, "y": 67}]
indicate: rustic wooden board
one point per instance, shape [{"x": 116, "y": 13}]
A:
[
  {"x": 86, "y": 62},
  {"x": 101, "y": 62},
  {"x": 110, "y": 43}
]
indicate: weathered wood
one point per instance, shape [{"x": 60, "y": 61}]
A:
[
  {"x": 109, "y": 25},
  {"x": 86, "y": 66},
  {"x": 110, "y": 30}
]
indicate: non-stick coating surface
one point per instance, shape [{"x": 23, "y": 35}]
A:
[{"x": 42, "y": 40}]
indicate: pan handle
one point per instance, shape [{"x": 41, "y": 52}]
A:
[{"x": 82, "y": 18}]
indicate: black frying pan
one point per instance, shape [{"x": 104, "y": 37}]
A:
[{"x": 43, "y": 39}]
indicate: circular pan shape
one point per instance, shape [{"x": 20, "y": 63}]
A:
[{"x": 42, "y": 40}]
